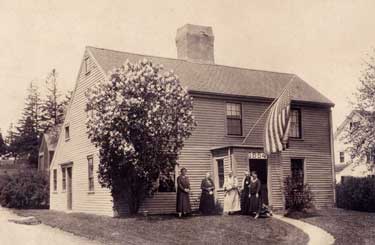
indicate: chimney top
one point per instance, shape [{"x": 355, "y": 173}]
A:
[{"x": 195, "y": 43}]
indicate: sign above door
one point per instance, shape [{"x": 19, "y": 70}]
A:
[{"x": 257, "y": 155}]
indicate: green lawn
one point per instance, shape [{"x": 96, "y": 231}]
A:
[
  {"x": 234, "y": 229},
  {"x": 348, "y": 227}
]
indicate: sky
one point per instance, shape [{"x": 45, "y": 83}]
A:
[{"x": 323, "y": 42}]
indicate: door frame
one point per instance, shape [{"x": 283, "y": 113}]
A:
[
  {"x": 68, "y": 167},
  {"x": 262, "y": 156}
]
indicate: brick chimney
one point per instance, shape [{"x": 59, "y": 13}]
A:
[{"x": 195, "y": 43}]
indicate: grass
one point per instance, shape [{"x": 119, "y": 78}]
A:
[
  {"x": 233, "y": 229},
  {"x": 348, "y": 227}
]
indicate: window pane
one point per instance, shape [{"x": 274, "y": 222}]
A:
[
  {"x": 342, "y": 157},
  {"x": 220, "y": 171},
  {"x": 234, "y": 110},
  {"x": 90, "y": 163},
  {"x": 234, "y": 126},
  {"x": 297, "y": 170},
  {"x": 295, "y": 124},
  {"x": 55, "y": 179}
]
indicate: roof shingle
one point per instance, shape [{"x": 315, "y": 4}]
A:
[{"x": 219, "y": 79}]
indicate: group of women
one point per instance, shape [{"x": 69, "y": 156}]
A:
[{"x": 249, "y": 198}]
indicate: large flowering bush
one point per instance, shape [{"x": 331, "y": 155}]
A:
[{"x": 139, "y": 118}]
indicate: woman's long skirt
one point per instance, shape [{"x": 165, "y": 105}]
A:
[
  {"x": 207, "y": 203},
  {"x": 254, "y": 206},
  {"x": 245, "y": 202},
  {"x": 183, "y": 202},
  {"x": 232, "y": 202}
]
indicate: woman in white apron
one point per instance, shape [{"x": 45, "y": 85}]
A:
[{"x": 232, "y": 202}]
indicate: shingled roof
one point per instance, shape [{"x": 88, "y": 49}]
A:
[{"x": 219, "y": 79}]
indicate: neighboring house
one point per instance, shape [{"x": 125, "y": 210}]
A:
[
  {"x": 47, "y": 149},
  {"x": 227, "y": 103},
  {"x": 343, "y": 159}
]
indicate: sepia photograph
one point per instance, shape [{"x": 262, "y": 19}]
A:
[{"x": 187, "y": 122}]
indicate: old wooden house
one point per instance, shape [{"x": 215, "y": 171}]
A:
[
  {"x": 227, "y": 103},
  {"x": 47, "y": 149}
]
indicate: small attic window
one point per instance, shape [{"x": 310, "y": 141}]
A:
[
  {"x": 67, "y": 133},
  {"x": 86, "y": 65}
]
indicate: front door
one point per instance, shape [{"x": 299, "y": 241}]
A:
[
  {"x": 260, "y": 167},
  {"x": 69, "y": 188}
]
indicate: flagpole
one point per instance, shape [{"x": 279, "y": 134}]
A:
[{"x": 261, "y": 116}]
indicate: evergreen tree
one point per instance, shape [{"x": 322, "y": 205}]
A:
[
  {"x": 52, "y": 107},
  {"x": 26, "y": 140},
  {"x": 3, "y": 146},
  {"x": 10, "y": 141}
]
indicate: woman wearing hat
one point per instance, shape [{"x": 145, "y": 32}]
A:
[{"x": 183, "y": 191}]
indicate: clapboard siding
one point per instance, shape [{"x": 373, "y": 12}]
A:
[
  {"x": 314, "y": 148},
  {"x": 196, "y": 154},
  {"x": 76, "y": 150}
]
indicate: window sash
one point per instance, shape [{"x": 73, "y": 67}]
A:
[
  {"x": 55, "y": 179},
  {"x": 297, "y": 169},
  {"x": 342, "y": 157},
  {"x": 220, "y": 172},
  {"x": 295, "y": 130},
  {"x": 90, "y": 164},
  {"x": 67, "y": 132},
  {"x": 63, "y": 178}
]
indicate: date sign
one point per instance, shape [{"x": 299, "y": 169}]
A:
[{"x": 257, "y": 155}]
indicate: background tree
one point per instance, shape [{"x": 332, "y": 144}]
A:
[
  {"x": 52, "y": 107},
  {"x": 10, "y": 141},
  {"x": 138, "y": 118},
  {"x": 361, "y": 136},
  {"x": 29, "y": 129},
  {"x": 3, "y": 146}
]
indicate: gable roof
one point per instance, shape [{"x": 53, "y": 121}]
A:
[
  {"x": 50, "y": 138},
  {"x": 348, "y": 118},
  {"x": 219, "y": 79}
]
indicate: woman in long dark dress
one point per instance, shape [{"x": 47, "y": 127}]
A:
[
  {"x": 254, "y": 195},
  {"x": 207, "y": 202},
  {"x": 183, "y": 191},
  {"x": 245, "y": 201}
]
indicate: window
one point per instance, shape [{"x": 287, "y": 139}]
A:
[
  {"x": 342, "y": 156},
  {"x": 90, "y": 162},
  {"x": 167, "y": 182},
  {"x": 55, "y": 180},
  {"x": 353, "y": 125},
  {"x": 63, "y": 170},
  {"x": 67, "y": 132},
  {"x": 371, "y": 157},
  {"x": 41, "y": 162},
  {"x": 220, "y": 172},
  {"x": 86, "y": 66},
  {"x": 234, "y": 119},
  {"x": 297, "y": 170},
  {"x": 51, "y": 153},
  {"x": 295, "y": 124}
]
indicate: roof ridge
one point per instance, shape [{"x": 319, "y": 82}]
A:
[{"x": 155, "y": 56}]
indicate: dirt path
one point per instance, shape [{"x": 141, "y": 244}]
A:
[{"x": 16, "y": 234}]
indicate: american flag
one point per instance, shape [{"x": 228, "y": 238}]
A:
[{"x": 277, "y": 124}]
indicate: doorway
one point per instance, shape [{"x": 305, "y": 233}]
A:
[
  {"x": 260, "y": 167},
  {"x": 69, "y": 188}
]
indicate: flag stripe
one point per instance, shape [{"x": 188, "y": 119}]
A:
[{"x": 277, "y": 123}]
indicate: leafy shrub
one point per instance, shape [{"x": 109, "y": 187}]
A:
[
  {"x": 4, "y": 179},
  {"x": 298, "y": 196},
  {"x": 356, "y": 194},
  {"x": 26, "y": 190}
]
